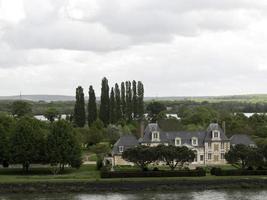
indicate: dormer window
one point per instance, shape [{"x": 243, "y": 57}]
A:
[
  {"x": 155, "y": 136},
  {"x": 216, "y": 134},
  {"x": 194, "y": 141},
  {"x": 178, "y": 141},
  {"x": 121, "y": 149}
]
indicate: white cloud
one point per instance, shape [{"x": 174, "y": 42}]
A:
[{"x": 179, "y": 47}]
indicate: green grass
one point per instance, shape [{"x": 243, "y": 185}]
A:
[{"x": 86, "y": 172}]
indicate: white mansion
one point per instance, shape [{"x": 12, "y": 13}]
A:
[{"x": 209, "y": 146}]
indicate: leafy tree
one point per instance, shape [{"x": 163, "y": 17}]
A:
[
  {"x": 142, "y": 156},
  {"x": 28, "y": 143},
  {"x": 123, "y": 100},
  {"x": 62, "y": 146},
  {"x": 154, "y": 108},
  {"x": 92, "y": 108},
  {"x": 112, "y": 107},
  {"x": 118, "y": 102},
  {"x": 112, "y": 133},
  {"x": 174, "y": 156},
  {"x": 51, "y": 114},
  {"x": 21, "y": 108},
  {"x": 238, "y": 156},
  {"x": 140, "y": 99},
  {"x": 129, "y": 106},
  {"x": 7, "y": 124},
  {"x": 104, "y": 104},
  {"x": 135, "y": 100},
  {"x": 79, "y": 108}
]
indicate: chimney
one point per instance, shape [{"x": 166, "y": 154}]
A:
[
  {"x": 142, "y": 128},
  {"x": 224, "y": 127}
]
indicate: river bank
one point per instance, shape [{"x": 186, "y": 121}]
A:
[{"x": 130, "y": 185}]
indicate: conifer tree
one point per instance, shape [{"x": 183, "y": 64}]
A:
[
  {"x": 123, "y": 100},
  {"x": 112, "y": 108},
  {"x": 140, "y": 99},
  {"x": 128, "y": 100},
  {"x": 92, "y": 109},
  {"x": 118, "y": 102},
  {"x": 134, "y": 102},
  {"x": 104, "y": 104},
  {"x": 79, "y": 108}
]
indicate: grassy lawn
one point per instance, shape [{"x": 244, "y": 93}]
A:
[{"x": 86, "y": 172}]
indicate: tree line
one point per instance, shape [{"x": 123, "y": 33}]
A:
[
  {"x": 25, "y": 140},
  {"x": 120, "y": 103}
]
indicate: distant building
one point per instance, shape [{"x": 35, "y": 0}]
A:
[{"x": 209, "y": 146}]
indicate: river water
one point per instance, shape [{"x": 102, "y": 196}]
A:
[{"x": 179, "y": 195}]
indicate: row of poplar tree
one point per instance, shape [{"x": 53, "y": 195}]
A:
[{"x": 124, "y": 102}]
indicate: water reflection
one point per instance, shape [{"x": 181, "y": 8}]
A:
[{"x": 185, "y": 195}]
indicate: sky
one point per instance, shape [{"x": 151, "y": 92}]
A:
[{"x": 176, "y": 48}]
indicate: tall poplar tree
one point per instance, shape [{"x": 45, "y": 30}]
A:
[
  {"x": 79, "y": 108},
  {"x": 128, "y": 100},
  {"x": 140, "y": 99},
  {"x": 123, "y": 100},
  {"x": 92, "y": 109},
  {"x": 104, "y": 102},
  {"x": 118, "y": 102},
  {"x": 112, "y": 108},
  {"x": 135, "y": 101}
]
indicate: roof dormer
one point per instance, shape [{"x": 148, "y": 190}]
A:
[
  {"x": 155, "y": 136},
  {"x": 216, "y": 134},
  {"x": 194, "y": 141}
]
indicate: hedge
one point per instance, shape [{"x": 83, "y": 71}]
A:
[
  {"x": 236, "y": 172},
  {"x": 134, "y": 174}
]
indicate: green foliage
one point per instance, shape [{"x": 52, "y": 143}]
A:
[
  {"x": 118, "y": 106},
  {"x": 112, "y": 133},
  {"x": 142, "y": 156},
  {"x": 135, "y": 100},
  {"x": 62, "y": 146},
  {"x": 79, "y": 108},
  {"x": 21, "y": 108},
  {"x": 242, "y": 156},
  {"x": 112, "y": 107},
  {"x": 27, "y": 142},
  {"x": 174, "y": 156},
  {"x": 92, "y": 108},
  {"x": 129, "y": 106},
  {"x": 154, "y": 108},
  {"x": 51, "y": 114},
  {"x": 140, "y": 99},
  {"x": 104, "y": 102},
  {"x": 123, "y": 100}
]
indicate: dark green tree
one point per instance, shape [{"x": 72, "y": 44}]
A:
[
  {"x": 51, "y": 114},
  {"x": 62, "y": 146},
  {"x": 135, "y": 100},
  {"x": 123, "y": 100},
  {"x": 118, "y": 102},
  {"x": 112, "y": 108},
  {"x": 28, "y": 143},
  {"x": 238, "y": 156},
  {"x": 175, "y": 156},
  {"x": 92, "y": 108},
  {"x": 140, "y": 99},
  {"x": 79, "y": 108},
  {"x": 142, "y": 156},
  {"x": 21, "y": 108},
  {"x": 129, "y": 106},
  {"x": 154, "y": 108},
  {"x": 104, "y": 102}
]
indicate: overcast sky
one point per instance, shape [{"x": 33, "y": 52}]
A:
[{"x": 176, "y": 47}]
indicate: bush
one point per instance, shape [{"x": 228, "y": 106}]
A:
[
  {"x": 215, "y": 170},
  {"x": 155, "y": 169},
  {"x": 134, "y": 174},
  {"x": 220, "y": 172},
  {"x": 5, "y": 164},
  {"x": 99, "y": 163}
]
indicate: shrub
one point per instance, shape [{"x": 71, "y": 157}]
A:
[
  {"x": 155, "y": 169},
  {"x": 215, "y": 170},
  {"x": 133, "y": 174},
  {"x": 99, "y": 163},
  {"x": 239, "y": 172}
]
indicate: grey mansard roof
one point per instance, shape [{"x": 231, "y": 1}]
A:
[
  {"x": 127, "y": 141},
  {"x": 241, "y": 139}
]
